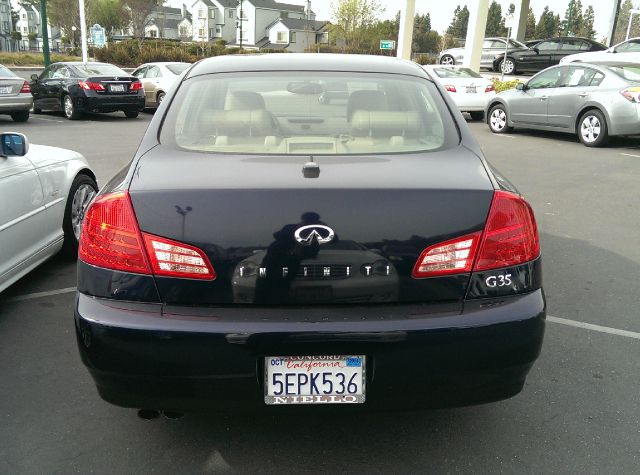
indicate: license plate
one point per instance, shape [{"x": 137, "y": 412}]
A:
[
  {"x": 117, "y": 88},
  {"x": 314, "y": 379},
  {"x": 471, "y": 90},
  {"x": 5, "y": 90}
]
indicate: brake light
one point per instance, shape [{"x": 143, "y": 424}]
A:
[
  {"x": 174, "y": 259},
  {"x": 510, "y": 238},
  {"x": 25, "y": 88},
  {"x": 450, "y": 88},
  {"x": 135, "y": 86},
  {"x": 450, "y": 257},
  {"x": 490, "y": 88},
  {"x": 111, "y": 239},
  {"x": 632, "y": 94},
  {"x": 91, "y": 86}
]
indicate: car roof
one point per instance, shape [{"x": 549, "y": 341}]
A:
[{"x": 305, "y": 62}]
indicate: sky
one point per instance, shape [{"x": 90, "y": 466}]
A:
[{"x": 442, "y": 12}]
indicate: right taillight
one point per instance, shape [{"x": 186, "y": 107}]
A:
[
  {"x": 632, "y": 94},
  {"x": 510, "y": 236},
  {"x": 450, "y": 88},
  {"x": 25, "y": 88},
  {"x": 111, "y": 239}
]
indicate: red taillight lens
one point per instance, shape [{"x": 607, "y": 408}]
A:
[
  {"x": 110, "y": 236},
  {"x": 175, "y": 259},
  {"x": 632, "y": 94},
  {"x": 490, "y": 88},
  {"x": 510, "y": 236},
  {"x": 25, "y": 88},
  {"x": 450, "y": 257},
  {"x": 91, "y": 86},
  {"x": 450, "y": 88},
  {"x": 111, "y": 239},
  {"x": 135, "y": 86}
]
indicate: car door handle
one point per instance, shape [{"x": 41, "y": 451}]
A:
[
  {"x": 583, "y": 94},
  {"x": 544, "y": 98}
]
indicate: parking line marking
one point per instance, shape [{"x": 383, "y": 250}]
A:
[
  {"x": 595, "y": 328},
  {"x": 505, "y": 136},
  {"x": 49, "y": 120},
  {"x": 37, "y": 295},
  {"x": 630, "y": 155}
]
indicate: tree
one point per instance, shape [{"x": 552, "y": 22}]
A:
[
  {"x": 587, "y": 24},
  {"x": 623, "y": 22},
  {"x": 110, "y": 14},
  {"x": 460, "y": 22},
  {"x": 351, "y": 17},
  {"x": 65, "y": 14},
  {"x": 430, "y": 42},
  {"x": 572, "y": 23},
  {"x": 548, "y": 25},
  {"x": 139, "y": 10},
  {"x": 495, "y": 22},
  {"x": 530, "y": 32}
]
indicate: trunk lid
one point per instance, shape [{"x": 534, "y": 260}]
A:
[
  {"x": 10, "y": 86},
  {"x": 114, "y": 85},
  {"x": 263, "y": 224}
]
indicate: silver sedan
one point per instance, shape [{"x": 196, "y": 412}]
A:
[
  {"x": 491, "y": 49},
  {"x": 44, "y": 192},
  {"x": 157, "y": 79},
  {"x": 593, "y": 100},
  {"x": 15, "y": 95}
]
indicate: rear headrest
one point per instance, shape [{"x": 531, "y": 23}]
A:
[
  {"x": 385, "y": 123},
  {"x": 239, "y": 123},
  {"x": 366, "y": 100},
  {"x": 244, "y": 100}
]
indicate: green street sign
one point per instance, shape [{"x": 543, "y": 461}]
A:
[{"x": 387, "y": 44}]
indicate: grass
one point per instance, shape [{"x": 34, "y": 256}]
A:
[{"x": 32, "y": 59}]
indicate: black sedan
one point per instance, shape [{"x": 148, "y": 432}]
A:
[
  {"x": 266, "y": 248},
  {"x": 76, "y": 88},
  {"x": 544, "y": 54}
]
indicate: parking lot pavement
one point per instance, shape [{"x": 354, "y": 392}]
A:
[{"x": 579, "y": 411}]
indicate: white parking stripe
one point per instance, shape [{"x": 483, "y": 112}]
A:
[
  {"x": 48, "y": 120},
  {"x": 37, "y": 295},
  {"x": 550, "y": 318},
  {"x": 595, "y": 328},
  {"x": 630, "y": 155},
  {"x": 505, "y": 136}
]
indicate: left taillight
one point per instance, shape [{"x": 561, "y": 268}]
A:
[
  {"x": 25, "y": 88},
  {"x": 490, "y": 88},
  {"x": 450, "y": 257},
  {"x": 135, "y": 86},
  {"x": 111, "y": 239},
  {"x": 91, "y": 86}
]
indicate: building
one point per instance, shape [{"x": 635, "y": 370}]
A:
[
  {"x": 7, "y": 43},
  {"x": 256, "y": 16},
  {"x": 295, "y": 35},
  {"x": 163, "y": 22},
  {"x": 214, "y": 19},
  {"x": 28, "y": 25}
]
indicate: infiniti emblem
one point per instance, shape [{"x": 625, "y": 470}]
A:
[{"x": 322, "y": 234}]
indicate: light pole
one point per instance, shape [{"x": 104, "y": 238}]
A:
[
  {"x": 45, "y": 32},
  {"x": 83, "y": 32},
  {"x": 239, "y": 22}
]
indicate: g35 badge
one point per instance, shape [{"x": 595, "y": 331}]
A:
[{"x": 498, "y": 280}]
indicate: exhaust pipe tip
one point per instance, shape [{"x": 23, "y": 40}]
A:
[
  {"x": 172, "y": 415},
  {"x": 148, "y": 414}
]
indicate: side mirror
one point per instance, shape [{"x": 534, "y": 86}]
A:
[
  {"x": 13, "y": 144},
  {"x": 536, "y": 49},
  {"x": 34, "y": 77},
  {"x": 521, "y": 86}
]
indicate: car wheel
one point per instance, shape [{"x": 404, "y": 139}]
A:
[
  {"x": 69, "y": 108},
  {"x": 508, "y": 66},
  {"x": 498, "y": 120},
  {"x": 37, "y": 110},
  {"x": 21, "y": 116},
  {"x": 160, "y": 98},
  {"x": 447, "y": 60},
  {"x": 477, "y": 115},
  {"x": 82, "y": 191},
  {"x": 131, "y": 114},
  {"x": 592, "y": 129}
]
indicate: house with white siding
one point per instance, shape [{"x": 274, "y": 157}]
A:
[
  {"x": 7, "y": 43},
  {"x": 213, "y": 20},
  {"x": 296, "y": 35}
]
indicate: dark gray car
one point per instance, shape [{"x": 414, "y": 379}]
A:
[{"x": 593, "y": 100}]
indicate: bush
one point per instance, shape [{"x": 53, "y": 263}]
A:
[
  {"x": 425, "y": 59},
  {"x": 504, "y": 85},
  {"x": 32, "y": 59}
]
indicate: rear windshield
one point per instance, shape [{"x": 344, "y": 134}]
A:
[
  {"x": 99, "y": 69},
  {"x": 456, "y": 73},
  {"x": 6, "y": 72},
  {"x": 296, "y": 113},
  {"x": 630, "y": 72},
  {"x": 177, "y": 68}
]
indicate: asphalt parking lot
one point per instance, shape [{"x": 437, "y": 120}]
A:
[{"x": 579, "y": 411}]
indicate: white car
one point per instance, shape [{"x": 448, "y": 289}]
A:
[
  {"x": 44, "y": 192},
  {"x": 157, "y": 79},
  {"x": 470, "y": 91},
  {"x": 626, "y": 52}
]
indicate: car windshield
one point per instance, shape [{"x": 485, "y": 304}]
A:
[
  {"x": 177, "y": 68},
  {"x": 6, "y": 72},
  {"x": 516, "y": 44},
  {"x": 456, "y": 73},
  {"x": 99, "y": 69},
  {"x": 630, "y": 72},
  {"x": 293, "y": 113}
]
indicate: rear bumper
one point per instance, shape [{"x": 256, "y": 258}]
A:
[
  {"x": 150, "y": 356},
  {"x": 110, "y": 103},
  {"x": 17, "y": 103}
]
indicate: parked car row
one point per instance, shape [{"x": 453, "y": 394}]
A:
[{"x": 76, "y": 88}]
